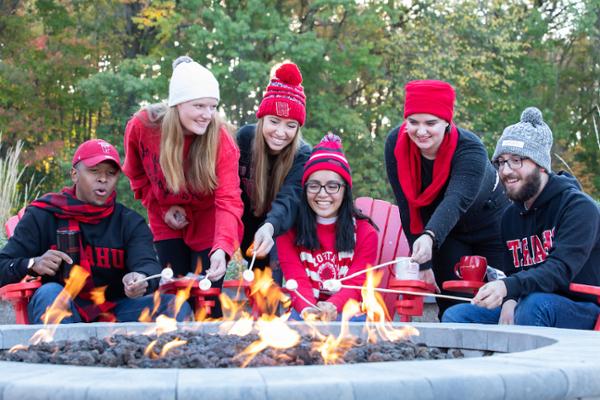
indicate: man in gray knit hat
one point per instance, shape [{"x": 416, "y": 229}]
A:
[{"x": 552, "y": 234}]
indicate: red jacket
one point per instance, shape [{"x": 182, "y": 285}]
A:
[
  {"x": 215, "y": 219},
  {"x": 311, "y": 268}
]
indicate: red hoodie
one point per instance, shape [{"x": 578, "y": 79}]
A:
[
  {"x": 311, "y": 268},
  {"x": 214, "y": 219}
]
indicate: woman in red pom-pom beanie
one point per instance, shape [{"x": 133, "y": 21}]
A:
[
  {"x": 272, "y": 157},
  {"x": 447, "y": 190}
]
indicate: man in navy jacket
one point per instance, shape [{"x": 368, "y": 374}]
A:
[
  {"x": 552, "y": 238},
  {"x": 111, "y": 243}
]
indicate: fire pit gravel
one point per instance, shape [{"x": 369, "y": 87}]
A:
[{"x": 208, "y": 351}]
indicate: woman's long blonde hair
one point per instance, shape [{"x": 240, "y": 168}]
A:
[
  {"x": 201, "y": 174},
  {"x": 266, "y": 186}
]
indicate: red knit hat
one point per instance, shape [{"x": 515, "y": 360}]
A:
[
  {"x": 284, "y": 96},
  {"x": 429, "y": 97},
  {"x": 328, "y": 155}
]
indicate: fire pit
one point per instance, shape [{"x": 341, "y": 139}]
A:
[{"x": 535, "y": 363}]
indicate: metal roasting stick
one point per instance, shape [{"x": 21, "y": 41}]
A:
[
  {"x": 292, "y": 285},
  {"x": 306, "y": 301},
  {"x": 252, "y": 261},
  {"x": 372, "y": 268},
  {"x": 248, "y": 274},
  {"x": 441, "y": 296}
]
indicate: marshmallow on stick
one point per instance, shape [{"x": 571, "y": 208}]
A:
[{"x": 166, "y": 273}]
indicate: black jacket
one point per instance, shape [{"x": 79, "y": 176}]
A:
[
  {"x": 554, "y": 243},
  {"x": 284, "y": 207},
  {"x": 117, "y": 245},
  {"x": 472, "y": 200}
]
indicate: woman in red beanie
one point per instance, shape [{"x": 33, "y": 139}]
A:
[
  {"x": 182, "y": 164},
  {"x": 331, "y": 239},
  {"x": 271, "y": 164},
  {"x": 447, "y": 190}
]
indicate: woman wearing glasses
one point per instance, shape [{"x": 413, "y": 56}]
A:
[
  {"x": 448, "y": 192},
  {"x": 272, "y": 157},
  {"x": 331, "y": 239}
]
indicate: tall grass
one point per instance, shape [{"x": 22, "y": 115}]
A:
[{"x": 11, "y": 172}]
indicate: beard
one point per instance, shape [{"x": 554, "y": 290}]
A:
[{"x": 531, "y": 186}]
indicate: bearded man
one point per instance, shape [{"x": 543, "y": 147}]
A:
[{"x": 552, "y": 238}]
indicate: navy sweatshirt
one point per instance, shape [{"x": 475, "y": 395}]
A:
[
  {"x": 119, "y": 244},
  {"x": 284, "y": 207},
  {"x": 472, "y": 200},
  {"x": 554, "y": 243}
]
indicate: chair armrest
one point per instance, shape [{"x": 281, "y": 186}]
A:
[
  {"x": 19, "y": 290},
  {"x": 585, "y": 289},
  {"x": 463, "y": 286}
]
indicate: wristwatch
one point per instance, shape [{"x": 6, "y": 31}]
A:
[
  {"x": 30, "y": 263},
  {"x": 432, "y": 236}
]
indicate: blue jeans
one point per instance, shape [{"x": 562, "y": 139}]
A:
[
  {"x": 536, "y": 309},
  {"x": 295, "y": 316},
  {"x": 126, "y": 310}
]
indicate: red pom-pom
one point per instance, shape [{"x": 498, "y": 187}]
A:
[
  {"x": 289, "y": 73},
  {"x": 331, "y": 138}
]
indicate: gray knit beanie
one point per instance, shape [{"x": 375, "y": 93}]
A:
[{"x": 530, "y": 138}]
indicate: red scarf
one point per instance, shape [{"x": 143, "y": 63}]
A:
[
  {"x": 65, "y": 205},
  {"x": 408, "y": 159}
]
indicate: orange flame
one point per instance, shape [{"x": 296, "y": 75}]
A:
[
  {"x": 265, "y": 294},
  {"x": 377, "y": 324},
  {"x": 236, "y": 321},
  {"x": 146, "y": 314},
  {"x": 171, "y": 345},
  {"x": 60, "y": 309},
  {"x": 272, "y": 333},
  {"x": 333, "y": 348},
  {"x": 97, "y": 295}
]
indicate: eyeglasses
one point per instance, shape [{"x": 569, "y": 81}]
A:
[
  {"x": 513, "y": 162},
  {"x": 330, "y": 187}
]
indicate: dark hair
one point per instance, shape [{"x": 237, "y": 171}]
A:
[{"x": 306, "y": 224}]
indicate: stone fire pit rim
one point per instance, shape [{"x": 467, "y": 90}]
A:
[{"x": 544, "y": 363}]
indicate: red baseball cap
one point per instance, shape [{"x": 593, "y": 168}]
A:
[{"x": 93, "y": 152}]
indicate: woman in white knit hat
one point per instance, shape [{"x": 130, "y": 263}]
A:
[{"x": 182, "y": 163}]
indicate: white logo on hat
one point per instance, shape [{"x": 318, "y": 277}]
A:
[
  {"x": 513, "y": 143},
  {"x": 105, "y": 147}
]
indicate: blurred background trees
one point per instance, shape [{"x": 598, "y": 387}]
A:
[{"x": 71, "y": 70}]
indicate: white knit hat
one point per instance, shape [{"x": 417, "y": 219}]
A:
[{"x": 190, "y": 81}]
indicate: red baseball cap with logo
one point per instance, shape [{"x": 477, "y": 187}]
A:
[{"x": 93, "y": 152}]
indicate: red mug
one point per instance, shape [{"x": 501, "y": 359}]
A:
[{"x": 471, "y": 268}]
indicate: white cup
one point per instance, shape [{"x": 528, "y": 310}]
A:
[{"x": 406, "y": 270}]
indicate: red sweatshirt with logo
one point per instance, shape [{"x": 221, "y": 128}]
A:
[
  {"x": 310, "y": 268},
  {"x": 214, "y": 219}
]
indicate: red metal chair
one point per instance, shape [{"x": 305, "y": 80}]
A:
[
  {"x": 392, "y": 244},
  {"x": 588, "y": 289},
  {"x": 18, "y": 294},
  {"x": 11, "y": 225}
]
